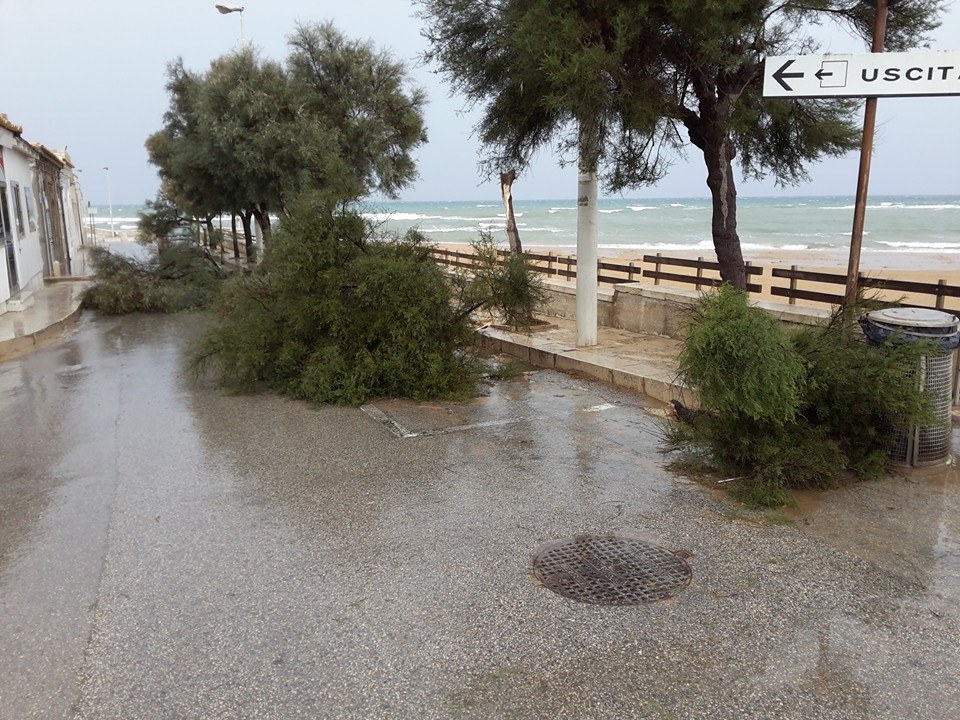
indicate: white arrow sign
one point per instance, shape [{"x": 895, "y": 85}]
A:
[{"x": 865, "y": 75}]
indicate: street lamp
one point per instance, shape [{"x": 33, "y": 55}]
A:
[
  {"x": 110, "y": 201},
  {"x": 227, "y": 9}
]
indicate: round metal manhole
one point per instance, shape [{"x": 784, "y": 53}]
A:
[{"x": 611, "y": 570}]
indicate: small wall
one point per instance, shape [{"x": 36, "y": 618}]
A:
[{"x": 656, "y": 310}]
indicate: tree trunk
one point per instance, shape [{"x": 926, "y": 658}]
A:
[
  {"x": 210, "y": 233},
  {"x": 263, "y": 220},
  {"x": 236, "y": 243},
  {"x": 245, "y": 217},
  {"x": 506, "y": 190},
  {"x": 718, "y": 153}
]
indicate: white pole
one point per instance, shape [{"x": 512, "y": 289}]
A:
[
  {"x": 243, "y": 41},
  {"x": 110, "y": 202},
  {"x": 587, "y": 232}
]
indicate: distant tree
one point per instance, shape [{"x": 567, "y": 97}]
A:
[
  {"x": 365, "y": 96},
  {"x": 158, "y": 217},
  {"x": 250, "y": 135},
  {"x": 628, "y": 83}
]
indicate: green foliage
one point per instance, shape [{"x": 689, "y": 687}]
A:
[
  {"x": 740, "y": 361},
  {"x": 503, "y": 286},
  {"x": 158, "y": 218},
  {"x": 792, "y": 409},
  {"x": 249, "y": 135},
  {"x": 178, "y": 277},
  {"x": 336, "y": 314},
  {"x": 628, "y": 85}
]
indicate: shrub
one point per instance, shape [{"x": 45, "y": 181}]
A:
[
  {"x": 338, "y": 314},
  {"x": 174, "y": 278},
  {"x": 506, "y": 288},
  {"x": 792, "y": 409}
]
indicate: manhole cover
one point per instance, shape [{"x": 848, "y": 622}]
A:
[{"x": 611, "y": 570}]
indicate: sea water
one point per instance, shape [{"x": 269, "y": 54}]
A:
[
  {"x": 924, "y": 224},
  {"x": 796, "y": 224}
]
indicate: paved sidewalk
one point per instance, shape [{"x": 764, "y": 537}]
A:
[{"x": 47, "y": 313}]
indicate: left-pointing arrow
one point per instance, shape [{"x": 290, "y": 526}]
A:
[{"x": 780, "y": 75}]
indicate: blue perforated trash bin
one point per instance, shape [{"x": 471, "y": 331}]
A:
[{"x": 927, "y": 445}]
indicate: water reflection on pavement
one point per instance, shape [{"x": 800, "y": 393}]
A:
[{"x": 167, "y": 550}]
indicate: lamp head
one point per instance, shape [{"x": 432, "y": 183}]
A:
[{"x": 226, "y": 9}]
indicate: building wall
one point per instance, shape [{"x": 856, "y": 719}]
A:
[
  {"x": 22, "y": 219},
  {"x": 26, "y": 227}
]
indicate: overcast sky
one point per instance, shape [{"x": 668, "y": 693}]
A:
[{"x": 90, "y": 76}]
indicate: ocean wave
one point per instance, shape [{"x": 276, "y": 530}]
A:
[
  {"x": 920, "y": 245},
  {"x": 641, "y": 208},
  {"x": 560, "y": 209},
  {"x": 611, "y": 212},
  {"x": 417, "y": 217},
  {"x": 703, "y": 245},
  {"x": 895, "y": 206}
]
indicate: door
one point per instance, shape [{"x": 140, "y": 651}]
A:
[{"x": 6, "y": 235}]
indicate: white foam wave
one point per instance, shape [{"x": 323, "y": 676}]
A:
[
  {"x": 955, "y": 247},
  {"x": 896, "y": 206}
]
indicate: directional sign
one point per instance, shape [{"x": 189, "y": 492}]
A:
[{"x": 865, "y": 75}]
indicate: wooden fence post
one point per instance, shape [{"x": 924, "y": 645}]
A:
[
  {"x": 630, "y": 272},
  {"x": 699, "y": 273},
  {"x": 793, "y": 284},
  {"x": 549, "y": 263},
  {"x": 940, "y": 298},
  {"x": 656, "y": 279}
]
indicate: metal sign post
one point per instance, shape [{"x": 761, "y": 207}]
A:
[
  {"x": 871, "y": 76},
  {"x": 863, "y": 175}
]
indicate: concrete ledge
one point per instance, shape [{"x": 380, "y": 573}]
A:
[
  {"x": 656, "y": 310},
  {"x": 647, "y": 375}
]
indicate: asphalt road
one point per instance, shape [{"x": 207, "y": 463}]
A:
[{"x": 169, "y": 551}]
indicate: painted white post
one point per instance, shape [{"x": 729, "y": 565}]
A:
[{"x": 587, "y": 230}]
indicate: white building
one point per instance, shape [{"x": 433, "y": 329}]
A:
[{"x": 41, "y": 220}]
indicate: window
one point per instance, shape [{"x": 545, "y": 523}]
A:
[
  {"x": 31, "y": 208},
  {"x": 17, "y": 207}
]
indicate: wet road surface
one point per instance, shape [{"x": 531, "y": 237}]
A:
[{"x": 168, "y": 551}]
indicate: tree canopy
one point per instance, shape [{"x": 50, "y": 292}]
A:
[
  {"x": 249, "y": 135},
  {"x": 641, "y": 80}
]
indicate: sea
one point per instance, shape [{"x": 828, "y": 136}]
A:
[{"x": 795, "y": 224}]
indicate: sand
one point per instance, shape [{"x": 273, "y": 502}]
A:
[{"x": 910, "y": 267}]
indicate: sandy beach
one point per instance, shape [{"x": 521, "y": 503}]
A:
[{"x": 925, "y": 267}]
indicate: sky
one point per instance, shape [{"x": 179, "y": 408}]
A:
[{"x": 89, "y": 77}]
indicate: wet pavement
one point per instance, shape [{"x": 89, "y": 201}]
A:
[{"x": 169, "y": 551}]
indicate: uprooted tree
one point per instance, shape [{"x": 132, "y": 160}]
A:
[
  {"x": 786, "y": 409},
  {"x": 625, "y": 85},
  {"x": 339, "y": 314}
]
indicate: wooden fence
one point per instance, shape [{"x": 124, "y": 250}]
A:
[{"x": 702, "y": 274}]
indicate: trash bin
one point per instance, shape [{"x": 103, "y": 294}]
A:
[{"x": 927, "y": 445}]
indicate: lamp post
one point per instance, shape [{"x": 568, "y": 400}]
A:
[
  {"x": 226, "y": 10},
  {"x": 113, "y": 232}
]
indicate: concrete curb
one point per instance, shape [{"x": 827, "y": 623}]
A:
[
  {"x": 544, "y": 353},
  {"x": 23, "y": 344}
]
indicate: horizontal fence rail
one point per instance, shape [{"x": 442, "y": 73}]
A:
[{"x": 614, "y": 272}]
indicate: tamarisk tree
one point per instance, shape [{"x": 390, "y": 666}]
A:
[
  {"x": 250, "y": 135},
  {"x": 629, "y": 85}
]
